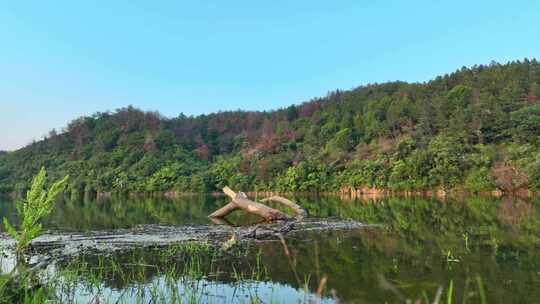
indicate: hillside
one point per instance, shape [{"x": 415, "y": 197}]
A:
[{"x": 477, "y": 128}]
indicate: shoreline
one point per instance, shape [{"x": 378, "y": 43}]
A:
[
  {"x": 345, "y": 193},
  {"x": 350, "y": 193}
]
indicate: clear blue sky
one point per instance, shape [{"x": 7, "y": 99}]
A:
[{"x": 63, "y": 59}]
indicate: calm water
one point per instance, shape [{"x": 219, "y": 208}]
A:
[{"x": 423, "y": 244}]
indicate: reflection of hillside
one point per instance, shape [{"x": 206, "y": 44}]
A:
[
  {"x": 113, "y": 212},
  {"x": 513, "y": 211},
  {"x": 351, "y": 262},
  {"x": 8, "y": 210},
  {"x": 497, "y": 239}
]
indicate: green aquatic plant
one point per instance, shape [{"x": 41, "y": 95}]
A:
[
  {"x": 39, "y": 203},
  {"x": 466, "y": 239},
  {"x": 481, "y": 289},
  {"x": 450, "y": 292},
  {"x": 22, "y": 291}
]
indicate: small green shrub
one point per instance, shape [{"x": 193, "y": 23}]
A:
[{"x": 39, "y": 203}]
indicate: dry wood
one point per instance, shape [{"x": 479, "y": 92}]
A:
[
  {"x": 299, "y": 211},
  {"x": 223, "y": 211},
  {"x": 241, "y": 201},
  {"x": 230, "y": 207}
]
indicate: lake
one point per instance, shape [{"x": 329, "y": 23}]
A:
[{"x": 484, "y": 250}]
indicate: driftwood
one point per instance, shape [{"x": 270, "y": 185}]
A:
[
  {"x": 230, "y": 207},
  {"x": 299, "y": 211},
  {"x": 241, "y": 201}
]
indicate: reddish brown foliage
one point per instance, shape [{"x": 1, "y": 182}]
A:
[
  {"x": 508, "y": 178},
  {"x": 149, "y": 144},
  {"x": 203, "y": 152},
  {"x": 512, "y": 211}
]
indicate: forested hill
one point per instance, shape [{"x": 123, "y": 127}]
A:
[{"x": 477, "y": 128}]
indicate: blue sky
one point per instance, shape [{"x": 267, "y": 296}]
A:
[{"x": 63, "y": 59}]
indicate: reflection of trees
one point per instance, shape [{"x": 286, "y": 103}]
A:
[
  {"x": 8, "y": 210},
  {"x": 418, "y": 231},
  {"x": 351, "y": 261},
  {"x": 115, "y": 212},
  {"x": 497, "y": 239},
  {"x": 420, "y": 220},
  {"x": 512, "y": 211}
]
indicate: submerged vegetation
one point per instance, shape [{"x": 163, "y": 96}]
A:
[{"x": 475, "y": 129}]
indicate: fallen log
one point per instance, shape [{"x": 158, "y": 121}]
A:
[
  {"x": 230, "y": 207},
  {"x": 240, "y": 200},
  {"x": 67, "y": 244},
  {"x": 223, "y": 211}
]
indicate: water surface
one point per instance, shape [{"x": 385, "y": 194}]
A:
[{"x": 476, "y": 244}]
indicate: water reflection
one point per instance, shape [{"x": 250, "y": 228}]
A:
[{"x": 423, "y": 245}]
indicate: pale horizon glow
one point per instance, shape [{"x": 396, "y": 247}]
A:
[{"x": 69, "y": 59}]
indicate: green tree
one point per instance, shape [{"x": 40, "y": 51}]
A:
[
  {"x": 448, "y": 161},
  {"x": 342, "y": 140},
  {"x": 460, "y": 96},
  {"x": 526, "y": 122}
]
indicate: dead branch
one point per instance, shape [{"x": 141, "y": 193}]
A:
[
  {"x": 240, "y": 200},
  {"x": 299, "y": 211},
  {"x": 223, "y": 211}
]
